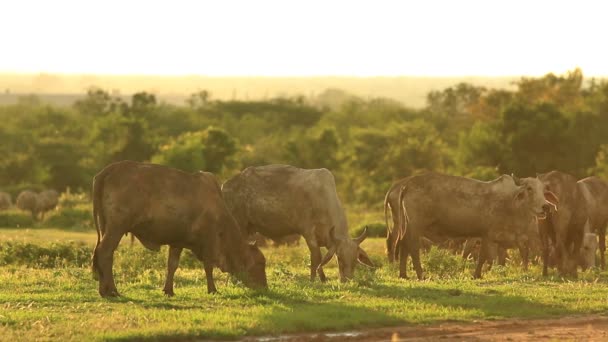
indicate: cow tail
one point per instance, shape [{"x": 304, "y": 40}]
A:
[
  {"x": 402, "y": 218},
  {"x": 389, "y": 228},
  {"x": 98, "y": 218}
]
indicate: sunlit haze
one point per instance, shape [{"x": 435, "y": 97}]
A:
[{"x": 305, "y": 38}]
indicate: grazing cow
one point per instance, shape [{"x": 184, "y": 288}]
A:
[
  {"x": 563, "y": 229},
  {"x": 280, "y": 200},
  {"x": 5, "y": 200},
  {"x": 47, "y": 200},
  {"x": 27, "y": 200},
  {"x": 165, "y": 206},
  {"x": 498, "y": 211},
  {"x": 595, "y": 191}
]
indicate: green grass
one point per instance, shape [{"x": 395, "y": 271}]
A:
[{"x": 45, "y": 302}]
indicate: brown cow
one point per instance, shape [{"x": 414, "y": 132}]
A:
[
  {"x": 165, "y": 206},
  {"x": 5, "y": 200},
  {"x": 497, "y": 211}
]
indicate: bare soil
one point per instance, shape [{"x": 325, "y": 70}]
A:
[{"x": 578, "y": 328}]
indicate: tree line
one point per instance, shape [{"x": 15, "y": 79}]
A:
[{"x": 550, "y": 122}]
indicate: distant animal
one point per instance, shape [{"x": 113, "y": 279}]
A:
[
  {"x": 563, "y": 229},
  {"x": 160, "y": 205},
  {"x": 47, "y": 200},
  {"x": 281, "y": 200},
  {"x": 5, "y": 200},
  {"x": 27, "y": 200},
  {"x": 499, "y": 211},
  {"x": 37, "y": 204},
  {"x": 595, "y": 191}
]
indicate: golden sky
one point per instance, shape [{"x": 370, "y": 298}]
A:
[{"x": 304, "y": 38}]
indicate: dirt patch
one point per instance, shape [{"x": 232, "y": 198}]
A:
[{"x": 579, "y": 328}]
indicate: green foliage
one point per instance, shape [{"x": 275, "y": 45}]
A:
[
  {"x": 78, "y": 217},
  {"x": 69, "y": 199},
  {"x": 376, "y": 229},
  {"x": 210, "y": 150},
  {"x": 55, "y": 255},
  {"x": 15, "y": 218},
  {"x": 443, "y": 264},
  {"x": 543, "y": 123}
]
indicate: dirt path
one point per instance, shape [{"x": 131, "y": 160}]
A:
[{"x": 580, "y": 328}]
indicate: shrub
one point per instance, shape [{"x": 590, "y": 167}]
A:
[
  {"x": 373, "y": 230},
  {"x": 15, "y": 219},
  {"x": 51, "y": 256},
  {"x": 79, "y": 217},
  {"x": 441, "y": 263},
  {"x": 71, "y": 200}
]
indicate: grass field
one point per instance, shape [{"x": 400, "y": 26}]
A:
[{"x": 55, "y": 298}]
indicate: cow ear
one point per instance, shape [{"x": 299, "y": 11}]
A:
[
  {"x": 551, "y": 198},
  {"x": 364, "y": 259}
]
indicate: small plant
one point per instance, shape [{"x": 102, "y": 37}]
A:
[
  {"x": 78, "y": 217},
  {"x": 15, "y": 219},
  {"x": 441, "y": 263}
]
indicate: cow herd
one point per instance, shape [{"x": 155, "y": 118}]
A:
[
  {"x": 160, "y": 205},
  {"x": 36, "y": 203}
]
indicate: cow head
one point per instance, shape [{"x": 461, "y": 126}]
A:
[
  {"x": 349, "y": 253},
  {"x": 532, "y": 195},
  {"x": 588, "y": 250},
  {"x": 255, "y": 267}
]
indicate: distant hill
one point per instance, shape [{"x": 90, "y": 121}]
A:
[{"x": 65, "y": 89}]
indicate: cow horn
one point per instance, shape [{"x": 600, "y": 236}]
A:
[
  {"x": 330, "y": 254},
  {"x": 253, "y": 243},
  {"x": 362, "y": 237}
]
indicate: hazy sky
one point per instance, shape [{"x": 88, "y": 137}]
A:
[{"x": 288, "y": 38}]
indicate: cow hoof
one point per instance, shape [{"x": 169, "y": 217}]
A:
[
  {"x": 169, "y": 293},
  {"x": 110, "y": 294},
  {"x": 403, "y": 277}
]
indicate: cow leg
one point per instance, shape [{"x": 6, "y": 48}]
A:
[
  {"x": 403, "y": 253},
  {"x": 315, "y": 258},
  {"x": 524, "y": 252},
  {"x": 601, "y": 234},
  {"x": 172, "y": 263},
  {"x": 105, "y": 259},
  {"x": 389, "y": 246},
  {"x": 502, "y": 255},
  {"x": 415, "y": 253},
  {"x": 484, "y": 254},
  {"x": 208, "y": 266}
]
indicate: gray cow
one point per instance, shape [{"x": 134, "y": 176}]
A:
[
  {"x": 280, "y": 200},
  {"x": 595, "y": 191},
  {"x": 498, "y": 211}
]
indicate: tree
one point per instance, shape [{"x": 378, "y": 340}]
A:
[{"x": 210, "y": 150}]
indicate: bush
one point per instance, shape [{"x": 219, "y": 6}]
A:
[
  {"x": 15, "y": 219},
  {"x": 71, "y": 200},
  {"x": 79, "y": 217},
  {"x": 442, "y": 263},
  {"x": 373, "y": 230},
  {"x": 51, "y": 256}
]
